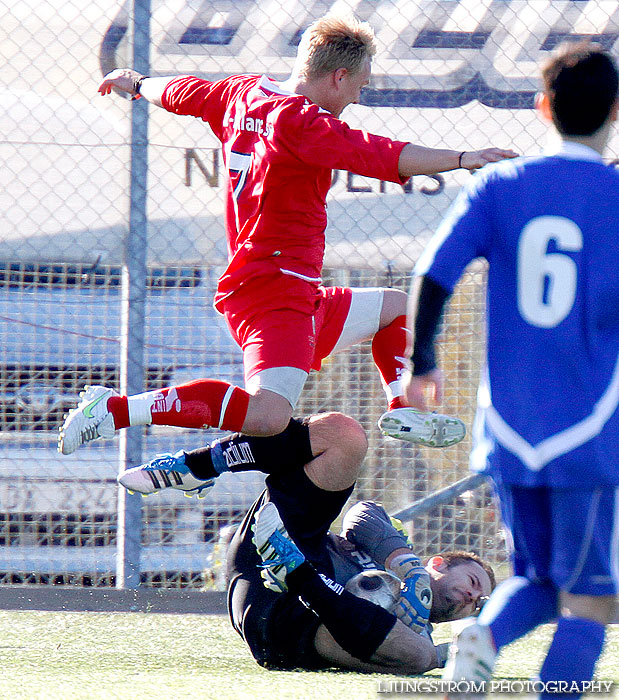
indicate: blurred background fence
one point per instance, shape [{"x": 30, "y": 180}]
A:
[{"x": 460, "y": 74}]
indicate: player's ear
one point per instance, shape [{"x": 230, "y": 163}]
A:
[
  {"x": 339, "y": 75},
  {"x": 436, "y": 562},
  {"x": 542, "y": 105}
]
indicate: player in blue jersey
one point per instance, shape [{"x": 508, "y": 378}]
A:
[{"x": 547, "y": 428}]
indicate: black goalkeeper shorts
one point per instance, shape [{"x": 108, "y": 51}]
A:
[{"x": 278, "y": 628}]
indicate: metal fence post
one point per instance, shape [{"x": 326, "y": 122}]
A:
[{"x": 129, "y": 534}]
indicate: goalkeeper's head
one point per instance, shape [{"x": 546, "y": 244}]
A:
[{"x": 461, "y": 582}]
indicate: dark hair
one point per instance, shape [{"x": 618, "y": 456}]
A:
[
  {"x": 461, "y": 557},
  {"x": 581, "y": 82}
]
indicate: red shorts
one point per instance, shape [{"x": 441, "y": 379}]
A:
[
  {"x": 290, "y": 326},
  {"x": 285, "y": 336}
]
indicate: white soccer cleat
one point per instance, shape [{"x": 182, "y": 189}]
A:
[
  {"x": 422, "y": 428},
  {"x": 164, "y": 472},
  {"x": 279, "y": 554},
  {"x": 88, "y": 421},
  {"x": 470, "y": 661}
]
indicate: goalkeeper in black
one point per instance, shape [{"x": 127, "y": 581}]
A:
[{"x": 305, "y": 617}]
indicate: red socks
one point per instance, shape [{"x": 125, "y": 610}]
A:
[
  {"x": 390, "y": 349},
  {"x": 396, "y": 403},
  {"x": 198, "y": 404},
  {"x": 217, "y": 404}
]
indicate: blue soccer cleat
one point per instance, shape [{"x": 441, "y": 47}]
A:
[
  {"x": 164, "y": 471},
  {"x": 279, "y": 554}
]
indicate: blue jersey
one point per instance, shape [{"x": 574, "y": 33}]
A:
[{"x": 549, "y": 229}]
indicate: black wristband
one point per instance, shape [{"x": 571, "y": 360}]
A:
[
  {"x": 460, "y": 159},
  {"x": 137, "y": 84}
]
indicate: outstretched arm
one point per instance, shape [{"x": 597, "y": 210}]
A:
[
  {"x": 426, "y": 304},
  {"x": 368, "y": 526},
  {"x": 419, "y": 160},
  {"x": 134, "y": 84},
  {"x": 403, "y": 652}
]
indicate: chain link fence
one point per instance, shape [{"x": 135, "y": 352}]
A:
[{"x": 460, "y": 74}]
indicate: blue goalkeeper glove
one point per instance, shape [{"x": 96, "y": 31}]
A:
[{"x": 415, "y": 603}]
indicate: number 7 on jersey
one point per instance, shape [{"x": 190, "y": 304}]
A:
[{"x": 238, "y": 165}]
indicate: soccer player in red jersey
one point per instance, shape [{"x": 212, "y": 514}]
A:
[{"x": 280, "y": 144}]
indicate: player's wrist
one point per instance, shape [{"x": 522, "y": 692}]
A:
[
  {"x": 137, "y": 83},
  {"x": 406, "y": 564},
  {"x": 399, "y": 551}
]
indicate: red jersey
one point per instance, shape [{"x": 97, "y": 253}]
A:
[{"x": 279, "y": 151}]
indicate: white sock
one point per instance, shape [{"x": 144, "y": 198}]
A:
[{"x": 140, "y": 407}]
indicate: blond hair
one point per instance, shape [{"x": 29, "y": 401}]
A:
[{"x": 332, "y": 42}]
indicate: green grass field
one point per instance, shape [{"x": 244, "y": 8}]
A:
[{"x": 108, "y": 656}]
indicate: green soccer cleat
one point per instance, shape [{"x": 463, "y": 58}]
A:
[
  {"x": 470, "y": 658},
  {"x": 88, "y": 421}
]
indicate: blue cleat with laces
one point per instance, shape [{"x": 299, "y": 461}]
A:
[
  {"x": 279, "y": 554},
  {"x": 164, "y": 471}
]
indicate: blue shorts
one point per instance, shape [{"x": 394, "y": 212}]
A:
[{"x": 569, "y": 537}]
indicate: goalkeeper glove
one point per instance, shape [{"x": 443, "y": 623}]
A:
[
  {"x": 399, "y": 526},
  {"x": 371, "y": 530},
  {"x": 415, "y": 603}
]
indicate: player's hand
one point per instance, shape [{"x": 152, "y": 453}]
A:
[
  {"x": 123, "y": 79},
  {"x": 413, "y": 608},
  {"x": 368, "y": 526},
  {"x": 417, "y": 388},
  {"x": 472, "y": 160}
]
